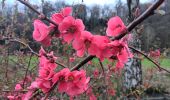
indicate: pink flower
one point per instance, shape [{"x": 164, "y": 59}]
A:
[
  {"x": 44, "y": 84},
  {"x": 58, "y": 17},
  {"x": 115, "y": 26},
  {"x": 18, "y": 87},
  {"x": 47, "y": 59},
  {"x": 121, "y": 51},
  {"x": 82, "y": 43},
  {"x": 99, "y": 47},
  {"x": 60, "y": 78},
  {"x": 71, "y": 28},
  {"x": 77, "y": 82},
  {"x": 41, "y": 33},
  {"x": 73, "y": 83}
]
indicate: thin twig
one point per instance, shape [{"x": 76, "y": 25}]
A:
[
  {"x": 27, "y": 70},
  {"x": 158, "y": 66},
  {"x": 15, "y": 91},
  {"x": 36, "y": 11},
  {"x": 105, "y": 80},
  {"x": 31, "y": 50}
]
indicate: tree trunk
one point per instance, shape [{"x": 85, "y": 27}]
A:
[{"x": 132, "y": 69}]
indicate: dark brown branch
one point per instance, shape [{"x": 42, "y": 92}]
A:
[
  {"x": 83, "y": 62},
  {"x": 157, "y": 65},
  {"x": 133, "y": 24},
  {"x": 141, "y": 18},
  {"x": 36, "y": 11}
]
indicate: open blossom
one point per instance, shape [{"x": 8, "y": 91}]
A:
[
  {"x": 82, "y": 43},
  {"x": 47, "y": 66},
  {"x": 120, "y": 50},
  {"x": 77, "y": 82},
  {"x": 99, "y": 47},
  {"x": 58, "y": 17},
  {"x": 60, "y": 78},
  {"x": 115, "y": 26},
  {"x": 72, "y": 83},
  {"x": 71, "y": 28},
  {"x": 41, "y": 33}
]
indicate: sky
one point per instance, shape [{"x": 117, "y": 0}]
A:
[{"x": 87, "y": 2}]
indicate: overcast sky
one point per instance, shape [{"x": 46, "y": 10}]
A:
[{"x": 88, "y": 2}]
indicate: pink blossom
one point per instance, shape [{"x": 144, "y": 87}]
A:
[
  {"x": 47, "y": 59},
  {"x": 77, "y": 82},
  {"x": 44, "y": 84},
  {"x": 115, "y": 26},
  {"x": 60, "y": 78},
  {"x": 18, "y": 87},
  {"x": 71, "y": 28},
  {"x": 41, "y": 33},
  {"x": 99, "y": 47},
  {"x": 58, "y": 17},
  {"x": 73, "y": 83},
  {"x": 121, "y": 51},
  {"x": 82, "y": 43}
]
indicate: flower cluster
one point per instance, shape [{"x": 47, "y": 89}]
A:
[
  {"x": 70, "y": 82},
  {"x": 73, "y": 31}
]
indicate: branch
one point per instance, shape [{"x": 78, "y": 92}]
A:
[
  {"x": 83, "y": 62},
  {"x": 157, "y": 65},
  {"x": 27, "y": 71},
  {"x": 43, "y": 17},
  {"x": 31, "y": 50},
  {"x": 141, "y": 18},
  {"x": 133, "y": 24}
]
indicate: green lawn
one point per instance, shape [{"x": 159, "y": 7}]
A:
[{"x": 165, "y": 62}]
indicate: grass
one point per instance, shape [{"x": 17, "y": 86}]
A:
[{"x": 164, "y": 62}]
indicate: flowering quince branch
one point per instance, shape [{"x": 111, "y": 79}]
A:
[
  {"x": 141, "y": 18},
  {"x": 74, "y": 82},
  {"x": 158, "y": 66},
  {"x": 132, "y": 25}
]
